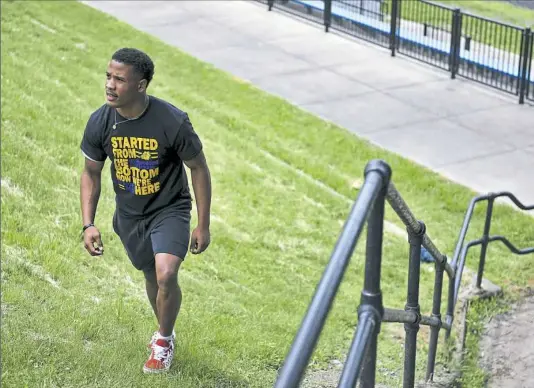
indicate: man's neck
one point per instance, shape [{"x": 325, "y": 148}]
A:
[{"x": 135, "y": 109}]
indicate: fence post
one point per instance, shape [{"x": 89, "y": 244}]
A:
[
  {"x": 393, "y": 30},
  {"x": 270, "y": 3},
  {"x": 415, "y": 239},
  {"x": 529, "y": 78},
  {"x": 485, "y": 241},
  {"x": 524, "y": 63},
  {"x": 436, "y": 313},
  {"x": 327, "y": 14},
  {"x": 456, "y": 37},
  {"x": 371, "y": 299}
]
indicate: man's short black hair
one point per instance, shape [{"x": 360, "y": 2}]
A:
[{"x": 140, "y": 61}]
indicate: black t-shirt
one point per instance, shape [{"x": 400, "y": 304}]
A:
[{"x": 146, "y": 156}]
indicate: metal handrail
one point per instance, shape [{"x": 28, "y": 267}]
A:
[
  {"x": 403, "y": 211},
  {"x": 376, "y": 177},
  {"x": 462, "y": 248},
  {"x": 361, "y": 358}
]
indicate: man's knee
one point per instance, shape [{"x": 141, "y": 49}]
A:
[
  {"x": 167, "y": 279},
  {"x": 150, "y": 276},
  {"x": 167, "y": 270}
]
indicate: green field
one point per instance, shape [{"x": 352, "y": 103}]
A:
[
  {"x": 283, "y": 183},
  {"x": 501, "y": 11},
  {"x": 496, "y": 10}
]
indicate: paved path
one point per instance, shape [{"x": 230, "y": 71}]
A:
[
  {"x": 507, "y": 348},
  {"x": 468, "y": 133}
]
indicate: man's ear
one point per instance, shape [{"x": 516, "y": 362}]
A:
[{"x": 142, "y": 86}]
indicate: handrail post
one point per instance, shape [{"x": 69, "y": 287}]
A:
[
  {"x": 371, "y": 298},
  {"x": 450, "y": 305},
  {"x": 436, "y": 313},
  {"x": 415, "y": 239},
  {"x": 485, "y": 240}
]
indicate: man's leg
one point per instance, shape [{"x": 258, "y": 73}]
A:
[
  {"x": 169, "y": 295},
  {"x": 151, "y": 284},
  {"x": 140, "y": 254},
  {"x": 168, "y": 300},
  {"x": 170, "y": 236}
]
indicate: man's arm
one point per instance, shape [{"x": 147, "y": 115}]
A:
[
  {"x": 201, "y": 180},
  {"x": 90, "y": 186}
]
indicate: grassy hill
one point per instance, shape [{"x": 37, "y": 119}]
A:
[{"x": 283, "y": 183}]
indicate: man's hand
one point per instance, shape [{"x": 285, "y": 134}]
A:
[
  {"x": 89, "y": 195},
  {"x": 200, "y": 239},
  {"x": 201, "y": 180},
  {"x": 93, "y": 241}
]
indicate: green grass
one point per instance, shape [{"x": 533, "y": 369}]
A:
[
  {"x": 75, "y": 321},
  {"x": 496, "y": 10},
  {"x": 487, "y": 32}
]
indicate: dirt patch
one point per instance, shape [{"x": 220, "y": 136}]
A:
[
  {"x": 326, "y": 378},
  {"x": 507, "y": 347}
]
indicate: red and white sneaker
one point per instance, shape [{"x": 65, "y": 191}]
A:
[
  {"x": 161, "y": 356},
  {"x": 155, "y": 336}
]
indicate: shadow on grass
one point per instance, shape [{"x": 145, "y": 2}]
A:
[{"x": 190, "y": 371}]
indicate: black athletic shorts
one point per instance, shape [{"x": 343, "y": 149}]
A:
[{"x": 164, "y": 232}]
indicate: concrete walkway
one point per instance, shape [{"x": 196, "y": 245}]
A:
[
  {"x": 469, "y": 133},
  {"x": 507, "y": 348}
]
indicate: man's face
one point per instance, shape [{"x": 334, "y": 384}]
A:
[{"x": 123, "y": 85}]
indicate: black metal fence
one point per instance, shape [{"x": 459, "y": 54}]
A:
[
  {"x": 369, "y": 207},
  {"x": 435, "y": 33},
  {"x": 483, "y": 50},
  {"x": 373, "y": 30},
  {"x": 298, "y": 9},
  {"x": 529, "y": 68}
]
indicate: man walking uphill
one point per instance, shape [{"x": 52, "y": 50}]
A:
[{"x": 148, "y": 141}]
